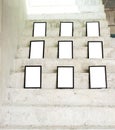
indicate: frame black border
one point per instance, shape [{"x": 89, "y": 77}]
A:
[
  {"x": 65, "y": 41},
  {"x": 101, "y": 48},
  {"x": 72, "y": 29},
  {"x": 45, "y": 29},
  {"x": 92, "y": 22},
  {"x": 105, "y": 77},
  {"x": 57, "y": 77},
  {"x": 40, "y": 77},
  {"x": 37, "y": 41}
]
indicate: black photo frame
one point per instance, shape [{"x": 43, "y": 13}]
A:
[
  {"x": 95, "y": 49},
  {"x": 64, "y": 76},
  {"x": 39, "y": 52},
  {"x": 97, "y": 77},
  {"x": 43, "y": 32},
  {"x": 65, "y": 49},
  {"x": 93, "y": 29},
  {"x": 69, "y": 32},
  {"x": 30, "y": 72}
]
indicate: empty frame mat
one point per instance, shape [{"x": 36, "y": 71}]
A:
[
  {"x": 39, "y": 29},
  {"x": 33, "y": 75},
  {"x": 93, "y": 29},
  {"x": 65, "y": 49},
  {"x": 66, "y": 29},
  {"x": 97, "y": 77},
  {"x": 65, "y": 77},
  {"x": 95, "y": 49},
  {"x": 36, "y": 49}
]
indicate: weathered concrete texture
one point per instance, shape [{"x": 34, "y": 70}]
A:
[
  {"x": 50, "y": 66},
  {"x": 110, "y": 14},
  {"x": 81, "y": 16},
  {"x": 0, "y": 15},
  {"x": 78, "y": 41},
  {"x": 12, "y": 26},
  {"x": 78, "y": 52},
  {"x": 81, "y": 80},
  {"x": 55, "y": 23},
  {"x": 56, "y": 97},
  {"x": 79, "y": 27},
  {"x": 58, "y": 116},
  {"x": 49, "y": 108},
  {"x": 62, "y": 128}
]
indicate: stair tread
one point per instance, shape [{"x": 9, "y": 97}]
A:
[{"x": 58, "y": 116}]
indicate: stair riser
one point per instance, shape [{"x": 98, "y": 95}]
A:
[
  {"x": 52, "y": 52},
  {"x": 53, "y": 41},
  {"x": 58, "y": 116},
  {"x": 50, "y": 66},
  {"x": 78, "y": 32},
  {"x": 56, "y": 128},
  {"x": 81, "y": 81},
  {"x": 56, "y": 23},
  {"x": 56, "y": 97},
  {"x": 78, "y": 16}
]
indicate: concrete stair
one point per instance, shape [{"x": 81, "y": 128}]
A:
[
  {"x": 79, "y": 28},
  {"x": 78, "y": 32},
  {"x": 57, "y": 97},
  {"x": 59, "y": 116},
  {"x": 79, "y": 16},
  {"x": 49, "y": 108},
  {"x": 50, "y": 66},
  {"x": 78, "y": 52},
  {"x": 77, "y": 41},
  {"x": 81, "y": 80}
]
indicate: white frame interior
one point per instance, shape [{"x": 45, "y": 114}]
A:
[
  {"x": 93, "y": 29},
  {"x": 98, "y": 78},
  {"x": 36, "y": 49},
  {"x": 32, "y": 77},
  {"x": 95, "y": 49},
  {"x": 65, "y": 49},
  {"x": 39, "y": 29},
  {"x": 66, "y": 29},
  {"x": 65, "y": 77}
]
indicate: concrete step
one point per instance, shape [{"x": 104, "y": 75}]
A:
[
  {"x": 49, "y": 66},
  {"x": 78, "y": 16},
  {"x": 53, "y": 41},
  {"x": 58, "y": 128},
  {"x": 81, "y": 80},
  {"x": 58, "y": 116},
  {"x": 16, "y": 80},
  {"x": 51, "y": 52},
  {"x": 56, "y": 97},
  {"x": 55, "y": 23},
  {"x": 77, "y": 32}
]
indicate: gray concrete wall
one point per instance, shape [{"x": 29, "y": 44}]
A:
[
  {"x": 0, "y": 13},
  {"x": 110, "y": 14},
  {"x": 12, "y": 26},
  {"x": 0, "y": 41}
]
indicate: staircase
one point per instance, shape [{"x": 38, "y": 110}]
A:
[{"x": 49, "y": 108}]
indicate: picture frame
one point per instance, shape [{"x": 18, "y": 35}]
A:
[
  {"x": 97, "y": 77},
  {"x": 39, "y": 29},
  {"x": 66, "y": 29},
  {"x": 65, "y": 77},
  {"x": 37, "y": 49},
  {"x": 95, "y": 49},
  {"x": 93, "y": 29},
  {"x": 65, "y": 49},
  {"x": 33, "y": 77}
]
